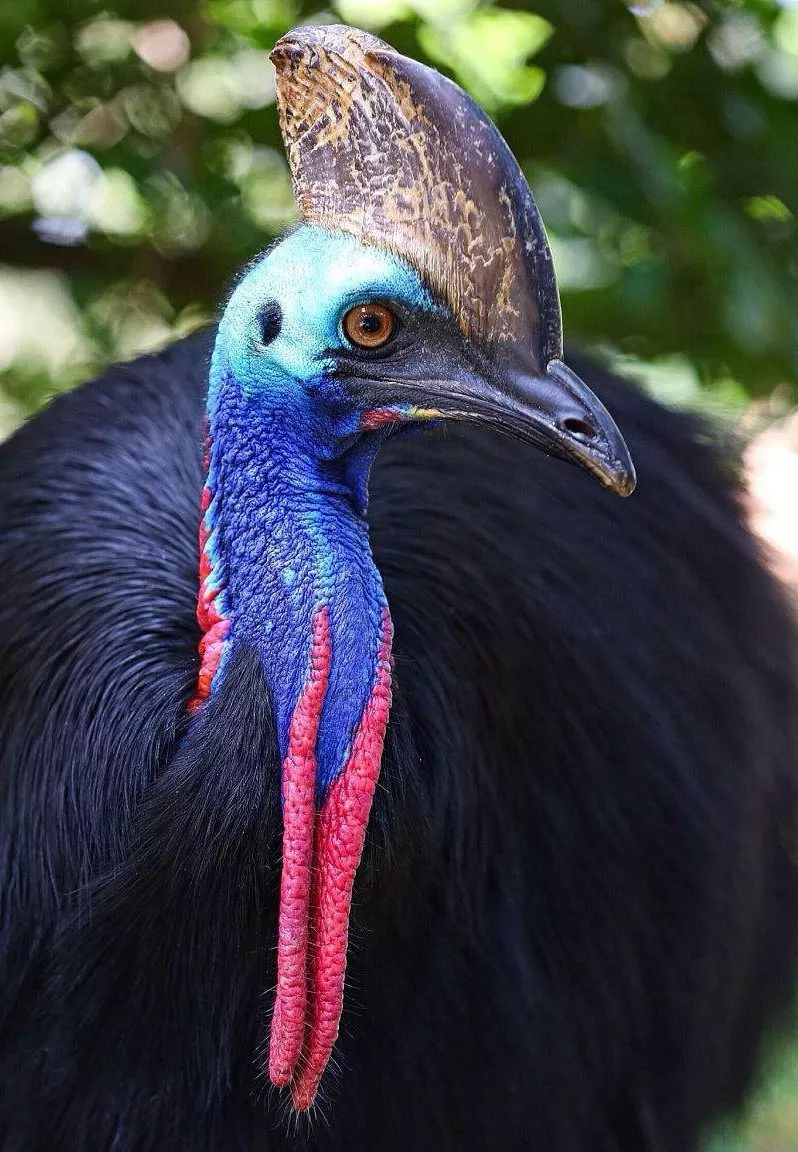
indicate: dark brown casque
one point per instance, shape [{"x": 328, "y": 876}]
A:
[{"x": 387, "y": 149}]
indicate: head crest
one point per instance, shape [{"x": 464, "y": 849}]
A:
[{"x": 389, "y": 150}]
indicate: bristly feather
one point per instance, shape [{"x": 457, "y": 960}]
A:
[{"x": 578, "y": 905}]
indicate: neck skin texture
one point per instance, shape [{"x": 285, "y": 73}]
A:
[{"x": 286, "y": 568}]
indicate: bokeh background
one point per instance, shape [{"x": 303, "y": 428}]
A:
[{"x": 140, "y": 165}]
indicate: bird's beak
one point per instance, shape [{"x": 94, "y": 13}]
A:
[{"x": 555, "y": 411}]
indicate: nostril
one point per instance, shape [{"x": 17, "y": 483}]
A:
[{"x": 579, "y": 429}]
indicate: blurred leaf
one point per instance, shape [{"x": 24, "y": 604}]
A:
[
  {"x": 18, "y": 126},
  {"x": 488, "y": 51},
  {"x": 767, "y": 208},
  {"x": 116, "y": 207},
  {"x": 372, "y": 13},
  {"x": 104, "y": 41}
]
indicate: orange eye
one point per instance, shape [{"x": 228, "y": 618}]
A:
[{"x": 369, "y": 325}]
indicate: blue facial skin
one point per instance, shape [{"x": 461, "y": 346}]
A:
[{"x": 288, "y": 532}]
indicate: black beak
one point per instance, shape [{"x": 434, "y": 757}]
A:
[
  {"x": 554, "y": 410},
  {"x": 560, "y": 415}
]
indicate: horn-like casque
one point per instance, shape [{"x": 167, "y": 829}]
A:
[{"x": 387, "y": 149}]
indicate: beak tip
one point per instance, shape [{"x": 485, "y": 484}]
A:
[
  {"x": 603, "y": 451},
  {"x": 618, "y": 471},
  {"x": 624, "y": 479}
]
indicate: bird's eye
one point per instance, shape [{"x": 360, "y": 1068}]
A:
[{"x": 369, "y": 325}]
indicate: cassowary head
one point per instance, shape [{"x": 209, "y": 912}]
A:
[{"x": 419, "y": 287}]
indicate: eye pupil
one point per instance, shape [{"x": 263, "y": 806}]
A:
[{"x": 369, "y": 325}]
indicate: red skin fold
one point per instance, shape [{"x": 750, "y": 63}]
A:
[
  {"x": 321, "y": 850},
  {"x": 299, "y": 786},
  {"x": 339, "y": 839},
  {"x": 377, "y": 418},
  {"x": 321, "y": 854},
  {"x": 214, "y": 626}
]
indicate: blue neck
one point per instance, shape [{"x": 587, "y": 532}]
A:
[{"x": 288, "y": 539}]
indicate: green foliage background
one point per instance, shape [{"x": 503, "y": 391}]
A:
[{"x": 140, "y": 165}]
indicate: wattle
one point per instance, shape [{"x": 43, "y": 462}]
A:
[{"x": 286, "y": 568}]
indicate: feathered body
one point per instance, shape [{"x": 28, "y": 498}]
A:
[{"x": 578, "y": 904}]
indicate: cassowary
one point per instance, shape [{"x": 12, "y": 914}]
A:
[{"x": 576, "y": 907}]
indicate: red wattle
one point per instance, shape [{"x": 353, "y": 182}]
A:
[
  {"x": 211, "y": 646},
  {"x": 214, "y": 626},
  {"x": 298, "y": 788},
  {"x": 338, "y": 845},
  {"x": 376, "y": 418}
]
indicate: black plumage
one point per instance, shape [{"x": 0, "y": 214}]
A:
[{"x": 578, "y": 905}]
